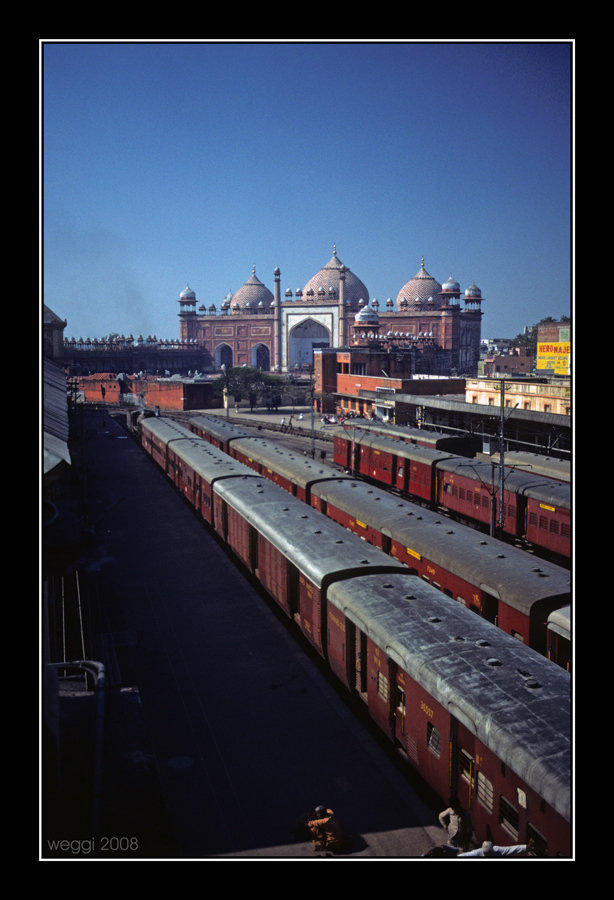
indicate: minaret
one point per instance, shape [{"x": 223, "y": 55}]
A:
[
  {"x": 342, "y": 340},
  {"x": 187, "y": 313},
  {"x": 277, "y": 321}
]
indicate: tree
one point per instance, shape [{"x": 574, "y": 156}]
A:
[{"x": 243, "y": 381}]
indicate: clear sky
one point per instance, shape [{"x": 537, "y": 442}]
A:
[{"x": 167, "y": 164}]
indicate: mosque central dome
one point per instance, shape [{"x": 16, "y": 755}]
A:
[{"x": 325, "y": 285}]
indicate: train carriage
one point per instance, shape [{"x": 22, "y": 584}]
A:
[
  {"x": 293, "y": 472},
  {"x": 475, "y": 711},
  {"x": 464, "y": 445},
  {"x": 470, "y": 489},
  {"x": 293, "y": 550},
  {"x": 478, "y": 714},
  {"x": 393, "y": 464},
  {"x": 548, "y": 517},
  {"x": 218, "y": 432},
  {"x": 160, "y": 438},
  {"x": 467, "y": 488},
  {"x": 500, "y": 582},
  {"x": 192, "y": 464}
]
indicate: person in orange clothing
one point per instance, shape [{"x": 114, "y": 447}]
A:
[{"x": 326, "y": 832}]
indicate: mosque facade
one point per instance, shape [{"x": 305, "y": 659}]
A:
[{"x": 261, "y": 328}]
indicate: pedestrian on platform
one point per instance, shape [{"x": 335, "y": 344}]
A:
[{"x": 457, "y": 824}]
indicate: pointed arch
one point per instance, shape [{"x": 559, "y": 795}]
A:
[
  {"x": 260, "y": 357},
  {"x": 304, "y": 338},
  {"x": 223, "y": 356}
]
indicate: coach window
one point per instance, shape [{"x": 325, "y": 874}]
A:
[
  {"x": 382, "y": 686},
  {"x": 485, "y": 792},
  {"x": 433, "y": 739},
  {"x": 401, "y": 707},
  {"x": 508, "y": 818},
  {"x": 540, "y": 843},
  {"x": 466, "y": 767}
]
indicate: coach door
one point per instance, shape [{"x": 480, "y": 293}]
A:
[
  {"x": 489, "y": 607},
  {"x": 399, "y": 705},
  {"x": 360, "y": 656},
  {"x": 462, "y": 763}
]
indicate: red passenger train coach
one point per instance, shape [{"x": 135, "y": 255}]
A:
[
  {"x": 536, "y": 509},
  {"x": 475, "y": 712},
  {"x": 502, "y": 583}
]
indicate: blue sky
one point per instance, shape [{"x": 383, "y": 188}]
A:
[{"x": 166, "y": 164}]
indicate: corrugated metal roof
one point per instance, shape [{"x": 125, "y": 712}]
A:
[
  {"x": 55, "y": 417},
  {"x": 452, "y": 404}
]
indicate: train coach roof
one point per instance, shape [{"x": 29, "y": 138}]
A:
[
  {"x": 553, "y": 493},
  {"x": 299, "y": 469},
  {"x": 559, "y": 620},
  {"x": 538, "y": 464},
  {"x": 486, "y": 473},
  {"x": 401, "y": 448},
  {"x": 516, "y": 702},
  {"x": 206, "y": 460},
  {"x": 395, "y": 432},
  {"x": 219, "y": 428},
  {"x": 320, "y": 548},
  {"x": 167, "y": 429},
  {"x": 211, "y": 463},
  {"x": 505, "y": 571}
]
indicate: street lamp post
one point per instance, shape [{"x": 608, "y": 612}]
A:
[
  {"x": 501, "y": 520},
  {"x": 313, "y": 436},
  {"x": 226, "y": 397}
]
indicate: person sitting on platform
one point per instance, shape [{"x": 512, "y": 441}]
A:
[{"x": 326, "y": 832}]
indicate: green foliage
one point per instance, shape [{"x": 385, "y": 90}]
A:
[{"x": 247, "y": 382}]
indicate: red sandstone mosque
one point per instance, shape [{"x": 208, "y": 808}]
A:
[{"x": 257, "y": 327}]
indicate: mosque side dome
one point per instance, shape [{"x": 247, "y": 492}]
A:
[
  {"x": 366, "y": 316},
  {"x": 252, "y": 293},
  {"x": 187, "y": 294},
  {"x": 473, "y": 292},
  {"x": 420, "y": 289},
  {"x": 451, "y": 285},
  {"x": 354, "y": 290}
]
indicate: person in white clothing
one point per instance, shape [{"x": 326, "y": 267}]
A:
[{"x": 488, "y": 849}]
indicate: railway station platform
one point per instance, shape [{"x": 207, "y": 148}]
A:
[{"x": 221, "y": 730}]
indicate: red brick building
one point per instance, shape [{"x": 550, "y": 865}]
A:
[
  {"x": 147, "y": 393},
  {"x": 361, "y": 380}
]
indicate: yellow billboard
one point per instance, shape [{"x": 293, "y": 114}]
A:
[{"x": 554, "y": 357}]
